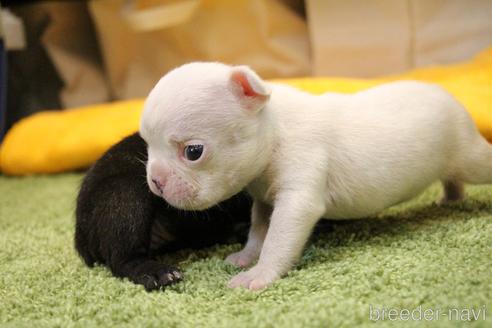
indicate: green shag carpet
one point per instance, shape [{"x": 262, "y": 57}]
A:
[{"x": 415, "y": 256}]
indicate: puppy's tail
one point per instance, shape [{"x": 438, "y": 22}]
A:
[{"x": 476, "y": 163}]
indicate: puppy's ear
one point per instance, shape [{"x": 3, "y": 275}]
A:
[{"x": 252, "y": 92}]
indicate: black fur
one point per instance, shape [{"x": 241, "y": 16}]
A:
[{"x": 116, "y": 213}]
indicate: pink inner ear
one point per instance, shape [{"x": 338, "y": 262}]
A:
[{"x": 244, "y": 83}]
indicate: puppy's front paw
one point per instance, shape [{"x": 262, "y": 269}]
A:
[
  {"x": 159, "y": 278},
  {"x": 258, "y": 277},
  {"x": 241, "y": 259}
]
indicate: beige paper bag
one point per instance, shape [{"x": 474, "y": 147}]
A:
[
  {"x": 142, "y": 40},
  {"x": 358, "y": 38},
  {"x": 69, "y": 41}
]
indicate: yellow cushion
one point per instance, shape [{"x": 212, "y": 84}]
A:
[{"x": 57, "y": 141}]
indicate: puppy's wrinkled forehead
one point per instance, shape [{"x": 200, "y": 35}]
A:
[{"x": 187, "y": 99}]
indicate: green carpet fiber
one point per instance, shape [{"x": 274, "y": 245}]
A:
[{"x": 416, "y": 254}]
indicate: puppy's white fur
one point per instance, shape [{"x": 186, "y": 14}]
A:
[{"x": 303, "y": 157}]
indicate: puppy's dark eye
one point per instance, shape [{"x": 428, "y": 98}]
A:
[{"x": 193, "y": 152}]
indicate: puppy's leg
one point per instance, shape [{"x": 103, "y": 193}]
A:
[
  {"x": 124, "y": 226},
  {"x": 259, "y": 225},
  {"x": 291, "y": 223},
  {"x": 453, "y": 191}
]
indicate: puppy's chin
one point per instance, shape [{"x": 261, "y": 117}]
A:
[{"x": 188, "y": 204}]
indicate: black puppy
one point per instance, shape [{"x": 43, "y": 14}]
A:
[{"x": 122, "y": 224}]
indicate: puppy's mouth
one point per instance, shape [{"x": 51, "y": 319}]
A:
[
  {"x": 187, "y": 204},
  {"x": 180, "y": 196}
]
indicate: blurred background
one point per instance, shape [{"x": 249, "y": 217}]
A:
[{"x": 64, "y": 54}]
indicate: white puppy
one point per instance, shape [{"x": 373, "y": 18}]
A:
[{"x": 214, "y": 129}]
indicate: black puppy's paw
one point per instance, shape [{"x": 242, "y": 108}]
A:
[{"x": 159, "y": 278}]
